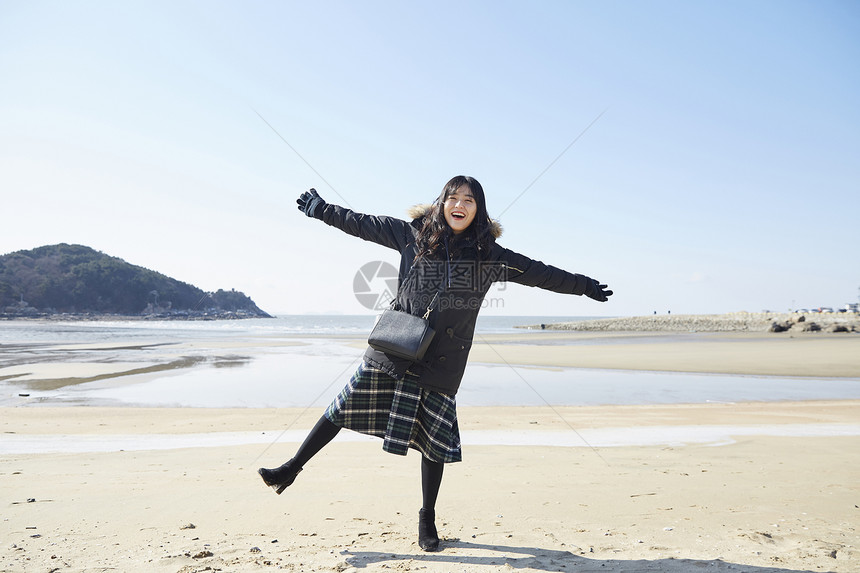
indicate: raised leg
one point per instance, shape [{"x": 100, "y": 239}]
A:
[{"x": 282, "y": 477}]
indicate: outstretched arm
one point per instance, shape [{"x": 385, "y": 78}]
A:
[
  {"x": 530, "y": 272},
  {"x": 387, "y": 231}
]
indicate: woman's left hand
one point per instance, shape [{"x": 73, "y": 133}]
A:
[{"x": 597, "y": 291}]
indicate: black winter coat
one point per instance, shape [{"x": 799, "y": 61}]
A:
[{"x": 461, "y": 280}]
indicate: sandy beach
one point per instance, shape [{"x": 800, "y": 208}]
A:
[{"x": 748, "y": 486}]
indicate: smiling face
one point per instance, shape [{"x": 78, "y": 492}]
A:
[{"x": 460, "y": 208}]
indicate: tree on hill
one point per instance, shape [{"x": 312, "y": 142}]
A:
[{"x": 76, "y": 279}]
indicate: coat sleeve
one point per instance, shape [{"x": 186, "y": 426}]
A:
[
  {"x": 386, "y": 231},
  {"x": 514, "y": 267}
]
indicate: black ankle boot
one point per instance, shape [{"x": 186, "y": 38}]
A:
[
  {"x": 279, "y": 478},
  {"x": 428, "y": 538}
]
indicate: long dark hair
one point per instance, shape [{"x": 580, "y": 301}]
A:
[{"x": 435, "y": 229}]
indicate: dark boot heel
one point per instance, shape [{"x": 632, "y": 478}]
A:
[
  {"x": 279, "y": 478},
  {"x": 428, "y": 537}
]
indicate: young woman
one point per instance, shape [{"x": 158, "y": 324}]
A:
[{"x": 449, "y": 258}]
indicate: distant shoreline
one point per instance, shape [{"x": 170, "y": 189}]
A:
[
  {"x": 99, "y": 316},
  {"x": 729, "y": 322},
  {"x": 776, "y": 322}
]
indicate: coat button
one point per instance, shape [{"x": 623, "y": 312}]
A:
[
  {"x": 442, "y": 359},
  {"x": 449, "y": 331}
]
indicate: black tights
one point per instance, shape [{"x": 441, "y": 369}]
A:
[
  {"x": 431, "y": 479},
  {"x": 320, "y": 436},
  {"x": 325, "y": 431}
]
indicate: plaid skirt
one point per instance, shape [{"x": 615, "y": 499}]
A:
[{"x": 400, "y": 412}]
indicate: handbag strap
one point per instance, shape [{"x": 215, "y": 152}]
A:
[
  {"x": 400, "y": 286},
  {"x": 430, "y": 306}
]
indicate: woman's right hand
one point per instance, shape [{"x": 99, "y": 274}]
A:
[{"x": 309, "y": 202}]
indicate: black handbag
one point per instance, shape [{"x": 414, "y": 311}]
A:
[{"x": 402, "y": 334}]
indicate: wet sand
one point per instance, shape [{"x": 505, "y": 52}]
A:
[{"x": 802, "y": 354}]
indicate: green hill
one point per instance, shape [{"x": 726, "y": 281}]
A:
[{"x": 80, "y": 280}]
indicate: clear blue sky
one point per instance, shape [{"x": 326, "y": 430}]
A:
[{"x": 722, "y": 175}]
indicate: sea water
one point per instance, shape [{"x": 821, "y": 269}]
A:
[
  {"x": 303, "y": 361},
  {"x": 72, "y": 331}
]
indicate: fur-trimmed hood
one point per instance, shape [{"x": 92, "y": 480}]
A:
[{"x": 418, "y": 211}]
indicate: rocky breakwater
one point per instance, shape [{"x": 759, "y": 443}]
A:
[
  {"x": 798, "y": 322},
  {"x": 730, "y": 322}
]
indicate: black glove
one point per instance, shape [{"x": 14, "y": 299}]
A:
[
  {"x": 597, "y": 291},
  {"x": 309, "y": 202}
]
